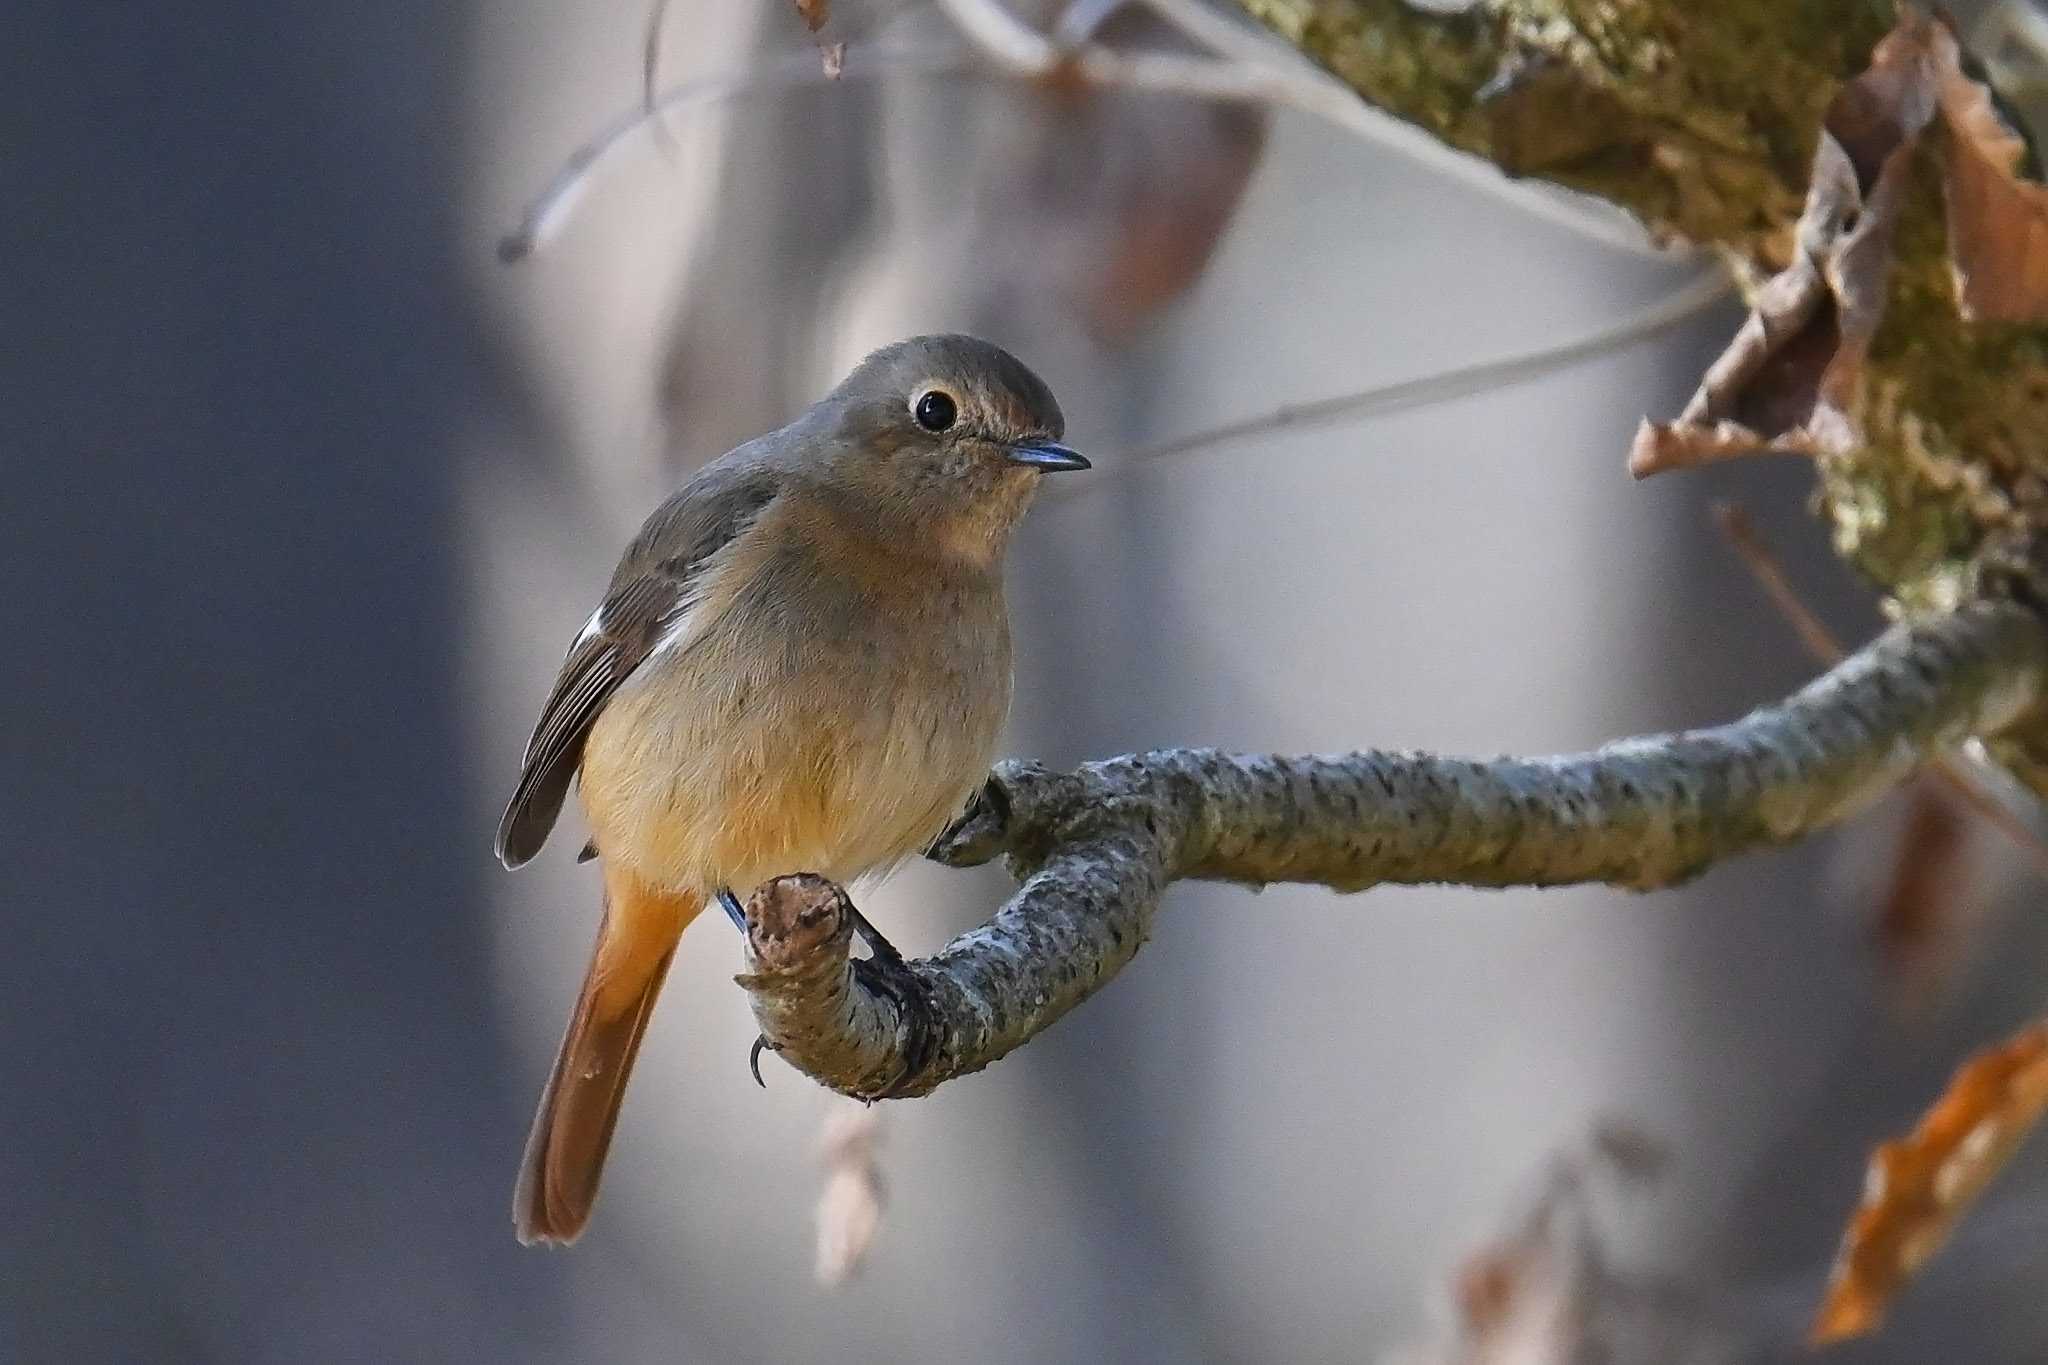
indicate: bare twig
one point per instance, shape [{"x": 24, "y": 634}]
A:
[
  {"x": 650, "y": 55},
  {"x": 1955, "y": 772},
  {"x": 1078, "y": 21},
  {"x": 1096, "y": 848},
  {"x": 1486, "y": 376},
  {"x": 1005, "y": 46},
  {"x": 546, "y": 214},
  {"x": 1734, "y": 523},
  {"x": 1245, "y": 75}
]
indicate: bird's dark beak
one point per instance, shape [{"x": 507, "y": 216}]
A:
[{"x": 1047, "y": 456}]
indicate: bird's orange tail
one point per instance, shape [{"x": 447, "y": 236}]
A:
[{"x": 580, "y": 1107}]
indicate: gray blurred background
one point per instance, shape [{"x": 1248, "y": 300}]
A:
[{"x": 305, "y": 492}]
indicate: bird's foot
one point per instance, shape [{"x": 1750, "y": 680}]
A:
[
  {"x": 882, "y": 972},
  {"x": 879, "y": 949}
]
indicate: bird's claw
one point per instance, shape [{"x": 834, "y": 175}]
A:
[
  {"x": 883, "y": 971},
  {"x": 761, "y": 1045}
]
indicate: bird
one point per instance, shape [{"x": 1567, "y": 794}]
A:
[{"x": 801, "y": 664}]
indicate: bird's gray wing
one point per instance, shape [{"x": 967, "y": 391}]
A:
[{"x": 652, "y": 589}]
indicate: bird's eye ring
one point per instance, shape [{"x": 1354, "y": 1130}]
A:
[{"x": 935, "y": 410}]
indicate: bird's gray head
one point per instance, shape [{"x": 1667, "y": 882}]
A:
[{"x": 949, "y": 432}]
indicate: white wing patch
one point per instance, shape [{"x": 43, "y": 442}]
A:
[{"x": 676, "y": 627}]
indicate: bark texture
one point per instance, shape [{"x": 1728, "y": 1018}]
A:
[{"x": 1095, "y": 848}]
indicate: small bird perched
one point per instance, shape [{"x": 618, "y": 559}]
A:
[{"x": 802, "y": 664}]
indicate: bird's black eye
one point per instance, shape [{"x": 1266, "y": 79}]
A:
[{"x": 935, "y": 410}]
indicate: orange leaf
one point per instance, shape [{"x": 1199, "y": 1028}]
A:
[
  {"x": 1917, "y": 1187},
  {"x": 1997, "y": 223}
]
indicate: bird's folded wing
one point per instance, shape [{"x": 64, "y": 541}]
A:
[{"x": 645, "y": 611}]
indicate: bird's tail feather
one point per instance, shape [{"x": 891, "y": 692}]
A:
[{"x": 572, "y": 1131}]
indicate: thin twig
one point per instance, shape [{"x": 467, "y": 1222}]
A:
[
  {"x": 1078, "y": 22},
  {"x": 1948, "y": 769},
  {"x": 1021, "y": 50},
  {"x": 650, "y": 55},
  {"x": 1686, "y": 301},
  {"x": 1226, "y": 37},
  {"x": 1011, "y": 48},
  {"x": 1769, "y": 571},
  {"x": 551, "y": 209}
]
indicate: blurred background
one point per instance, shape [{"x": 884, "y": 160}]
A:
[{"x": 306, "y": 492}]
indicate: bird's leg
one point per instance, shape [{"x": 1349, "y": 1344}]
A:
[
  {"x": 730, "y": 903},
  {"x": 883, "y": 970},
  {"x": 882, "y": 953}
]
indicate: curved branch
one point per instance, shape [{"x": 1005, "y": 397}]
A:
[{"x": 1096, "y": 847}]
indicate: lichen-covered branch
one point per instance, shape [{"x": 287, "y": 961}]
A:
[
  {"x": 1699, "y": 119},
  {"x": 1095, "y": 848},
  {"x": 1702, "y": 120}
]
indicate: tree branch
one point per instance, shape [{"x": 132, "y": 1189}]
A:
[
  {"x": 1245, "y": 74},
  {"x": 1701, "y": 120},
  {"x": 1096, "y": 847}
]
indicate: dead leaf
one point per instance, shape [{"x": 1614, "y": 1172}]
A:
[
  {"x": 1924, "y": 919},
  {"x": 814, "y": 13},
  {"x": 1788, "y": 381},
  {"x": 1997, "y": 222},
  {"x": 850, "y": 1205},
  {"x": 1112, "y": 203},
  {"x": 1168, "y": 224},
  {"x": 1548, "y": 1291},
  {"x": 1918, "y": 1187}
]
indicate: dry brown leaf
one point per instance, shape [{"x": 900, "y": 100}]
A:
[
  {"x": 1112, "y": 202},
  {"x": 1788, "y": 380},
  {"x": 1548, "y": 1290},
  {"x": 1997, "y": 223},
  {"x": 1116, "y": 202},
  {"x": 1924, "y": 917},
  {"x": 1919, "y": 1186},
  {"x": 814, "y": 13},
  {"x": 1167, "y": 225},
  {"x": 850, "y": 1204}
]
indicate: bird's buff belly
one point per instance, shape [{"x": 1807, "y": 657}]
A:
[{"x": 694, "y": 792}]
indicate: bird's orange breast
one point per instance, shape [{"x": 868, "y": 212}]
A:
[{"x": 808, "y": 722}]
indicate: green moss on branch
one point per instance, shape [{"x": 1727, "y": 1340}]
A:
[{"x": 1701, "y": 119}]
